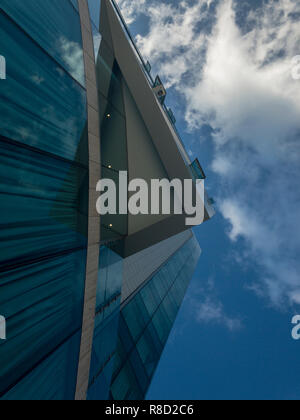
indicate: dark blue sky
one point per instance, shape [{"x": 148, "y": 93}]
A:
[
  {"x": 226, "y": 65},
  {"x": 208, "y": 361}
]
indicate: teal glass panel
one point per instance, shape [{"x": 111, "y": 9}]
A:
[
  {"x": 42, "y": 303},
  {"x": 55, "y": 26},
  {"x": 43, "y": 205},
  {"x": 53, "y": 379},
  {"x": 44, "y": 202},
  {"x": 125, "y": 338},
  {"x": 146, "y": 321},
  {"x": 40, "y": 104},
  {"x": 109, "y": 79},
  {"x": 197, "y": 170},
  {"x": 170, "y": 306},
  {"x": 99, "y": 391},
  {"x": 126, "y": 386},
  {"x": 104, "y": 348},
  {"x": 162, "y": 325},
  {"x": 150, "y": 297},
  {"x": 113, "y": 136},
  {"x": 160, "y": 284},
  {"x": 149, "y": 348},
  {"x": 133, "y": 318},
  {"x": 109, "y": 278},
  {"x": 75, "y": 4},
  {"x": 106, "y": 323},
  {"x": 139, "y": 370}
]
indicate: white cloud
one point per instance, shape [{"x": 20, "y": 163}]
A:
[
  {"x": 205, "y": 307},
  {"x": 241, "y": 95},
  {"x": 170, "y": 45},
  {"x": 222, "y": 166},
  {"x": 247, "y": 94},
  {"x": 72, "y": 55},
  {"x": 295, "y": 297},
  {"x": 243, "y": 224},
  {"x": 131, "y": 8},
  {"x": 171, "y": 27},
  {"x": 212, "y": 312},
  {"x": 241, "y": 85}
]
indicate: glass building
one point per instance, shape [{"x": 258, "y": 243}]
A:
[{"x": 89, "y": 302}]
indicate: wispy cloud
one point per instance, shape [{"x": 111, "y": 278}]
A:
[
  {"x": 131, "y": 9},
  {"x": 174, "y": 43},
  {"x": 38, "y": 80},
  {"x": 246, "y": 93},
  {"x": 212, "y": 312},
  {"x": 72, "y": 55},
  {"x": 206, "y": 308}
]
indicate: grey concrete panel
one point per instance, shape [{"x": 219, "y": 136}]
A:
[
  {"x": 91, "y": 280},
  {"x": 143, "y": 265},
  {"x": 143, "y": 160},
  {"x": 104, "y": 25},
  {"x": 162, "y": 135}
]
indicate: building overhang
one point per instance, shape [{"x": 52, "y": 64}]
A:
[{"x": 169, "y": 148}]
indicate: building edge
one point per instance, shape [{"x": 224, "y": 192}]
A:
[{"x": 92, "y": 265}]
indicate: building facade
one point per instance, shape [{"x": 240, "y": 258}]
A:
[{"x": 88, "y": 302}]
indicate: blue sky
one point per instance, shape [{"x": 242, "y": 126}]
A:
[{"x": 227, "y": 67}]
